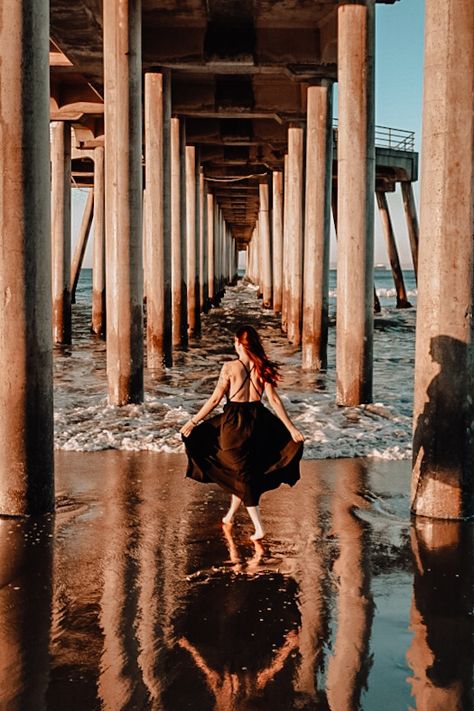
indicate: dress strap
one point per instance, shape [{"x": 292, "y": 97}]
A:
[{"x": 243, "y": 381}]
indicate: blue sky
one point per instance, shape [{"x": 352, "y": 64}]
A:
[{"x": 399, "y": 86}]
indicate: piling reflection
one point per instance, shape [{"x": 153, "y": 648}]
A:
[
  {"x": 349, "y": 665},
  {"x": 143, "y": 600},
  {"x": 25, "y": 612},
  {"x": 441, "y": 655}
]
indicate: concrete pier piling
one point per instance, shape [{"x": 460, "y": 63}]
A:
[
  {"x": 402, "y": 300},
  {"x": 158, "y": 219},
  {"x": 61, "y": 230},
  {"x": 98, "y": 268},
  {"x": 192, "y": 243},
  {"x": 26, "y": 385},
  {"x": 203, "y": 247},
  {"x": 317, "y": 226},
  {"x": 443, "y": 439},
  {"x": 178, "y": 253},
  {"x": 356, "y": 178},
  {"x": 295, "y": 233},
  {"x": 211, "y": 281},
  {"x": 286, "y": 251},
  {"x": 123, "y": 199},
  {"x": 277, "y": 238},
  {"x": 412, "y": 222},
  {"x": 81, "y": 245},
  {"x": 265, "y": 244}
]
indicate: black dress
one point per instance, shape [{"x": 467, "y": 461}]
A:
[{"x": 247, "y": 450}]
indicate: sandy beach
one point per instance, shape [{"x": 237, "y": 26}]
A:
[{"x": 135, "y": 597}]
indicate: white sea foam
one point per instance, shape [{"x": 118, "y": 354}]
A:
[{"x": 84, "y": 422}]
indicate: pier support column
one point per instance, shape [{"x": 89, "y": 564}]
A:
[
  {"x": 203, "y": 247},
  {"x": 211, "y": 281},
  {"x": 123, "y": 200},
  {"x": 26, "y": 383},
  {"x": 286, "y": 264},
  {"x": 192, "y": 235},
  {"x": 295, "y": 232},
  {"x": 402, "y": 300},
  {"x": 265, "y": 244},
  {"x": 356, "y": 185},
  {"x": 277, "y": 239},
  {"x": 443, "y": 441},
  {"x": 98, "y": 267},
  {"x": 158, "y": 219},
  {"x": 178, "y": 252},
  {"x": 412, "y": 222},
  {"x": 317, "y": 226},
  {"x": 81, "y": 246},
  {"x": 61, "y": 230}
]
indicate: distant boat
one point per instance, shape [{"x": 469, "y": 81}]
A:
[{"x": 381, "y": 267}]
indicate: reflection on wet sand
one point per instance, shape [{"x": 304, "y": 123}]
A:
[
  {"x": 442, "y": 650},
  {"x": 349, "y": 665},
  {"x": 25, "y": 612},
  {"x": 146, "y": 602}
]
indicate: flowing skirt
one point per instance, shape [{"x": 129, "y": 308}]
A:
[{"x": 247, "y": 450}]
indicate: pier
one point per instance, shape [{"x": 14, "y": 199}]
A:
[{"x": 205, "y": 131}]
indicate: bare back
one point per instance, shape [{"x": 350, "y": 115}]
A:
[{"x": 244, "y": 383}]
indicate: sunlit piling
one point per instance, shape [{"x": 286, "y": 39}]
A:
[{"x": 123, "y": 199}]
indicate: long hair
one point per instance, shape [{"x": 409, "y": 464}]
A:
[{"x": 267, "y": 370}]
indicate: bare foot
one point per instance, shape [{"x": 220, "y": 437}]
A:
[{"x": 259, "y": 533}]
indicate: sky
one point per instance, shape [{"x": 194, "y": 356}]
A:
[{"x": 398, "y": 102}]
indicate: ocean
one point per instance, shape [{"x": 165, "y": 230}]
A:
[{"x": 84, "y": 421}]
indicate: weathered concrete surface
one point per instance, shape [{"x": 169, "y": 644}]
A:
[
  {"x": 356, "y": 175},
  {"x": 123, "y": 199},
  {"x": 317, "y": 226},
  {"x": 443, "y": 440},
  {"x": 98, "y": 267},
  {"x": 158, "y": 219},
  {"x": 26, "y": 383},
  {"x": 412, "y": 222},
  {"x": 61, "y": 230}
]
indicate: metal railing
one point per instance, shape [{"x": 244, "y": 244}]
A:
[{"x": 385, "y": 137}]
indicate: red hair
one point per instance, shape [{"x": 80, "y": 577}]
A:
[{"x": 267, "y": 370}]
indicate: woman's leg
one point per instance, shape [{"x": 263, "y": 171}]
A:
[
  {"x": 254, "y": 513},
  {"x": 234, "y": 505}
]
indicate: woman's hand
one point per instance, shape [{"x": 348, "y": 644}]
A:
[
  {"x": 187, "y": 428},
  {"x": 296, "y": 435}
]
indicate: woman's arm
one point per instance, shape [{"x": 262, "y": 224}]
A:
[
  {"x": 209, "y": 405},
  {"x": 279, "y": 408}
]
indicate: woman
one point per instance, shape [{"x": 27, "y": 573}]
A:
[{"x": 246, "y": 450}]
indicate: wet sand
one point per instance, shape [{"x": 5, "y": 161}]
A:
[{"x": 133, "y": 596}]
